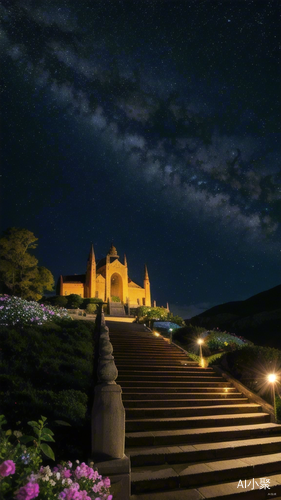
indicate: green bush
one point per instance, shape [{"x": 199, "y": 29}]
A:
[
  {"x": 146, "y": 313},
  {"x": 49, "y": 369},
  {"x": 90, "y": 300},
  {"x": 54, "y": 300},
  {"x": 114, "y": 298},
  {"x": 74, "y": 301},
  {"x": 91, "y": 308},
  {"x": 221, "y": 340}
]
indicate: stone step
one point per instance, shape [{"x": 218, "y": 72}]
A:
[
  {"x": 181, "y": 396},
  {"x": 205, "y": 451},
  {"x": 174, "y": 476},
  {"x": 153, "y": 362},
  {"x": 172, "y": 403},
  {"x": 170, "y": 383},
  {"x": 129, "y": 389},
  {"x": 220, "y": 491},
  {"x": 176, "y": 368},
  {"x": 169, "y": 378},
  {"x": 190, "y": 411},
  {"x": 179, "y": 437},
  {"x": 150, "y": 356},
  {"x": 195, "y": 422}
]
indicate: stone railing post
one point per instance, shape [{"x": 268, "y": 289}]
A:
[{"x": 108, "y": 415}]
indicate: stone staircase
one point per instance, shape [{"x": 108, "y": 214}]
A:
[
  {"x": 116, "y": 309},
  {"x": 189, "y": 433}
]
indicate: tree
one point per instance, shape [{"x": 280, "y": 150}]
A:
[{"x": 19, "y": 270}]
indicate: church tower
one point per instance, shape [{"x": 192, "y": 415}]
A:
[
  {"x": 91, "y": 274},
  {"x": 146, "y": 286}
]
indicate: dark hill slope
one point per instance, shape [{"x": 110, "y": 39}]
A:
[{"x": 257, "y": 318}]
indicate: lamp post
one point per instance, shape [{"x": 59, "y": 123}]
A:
[
  {"x": 272, "y": 379},
  {"x": 200, "y": 342}
]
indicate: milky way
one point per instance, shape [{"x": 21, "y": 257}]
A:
[{"x": 184, "y": 94}]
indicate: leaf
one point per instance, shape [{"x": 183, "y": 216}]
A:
[
  {"x": 48, "y": 431},
  {"x": 8, "y": 433},
  {"x": 47, "y": 437},
  {"x": 34, "y": 424},
  {"x": 47, "y": 451},
  {"x": 26, "y": 439},
  {"x": 62, "y": 422}
]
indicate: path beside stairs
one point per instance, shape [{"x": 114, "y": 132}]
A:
[{"x": 189, "y": 434}]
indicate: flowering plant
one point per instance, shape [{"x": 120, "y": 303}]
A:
[
  {"x": 23, "y": 477},
  {"x": 17, "y": 311}
]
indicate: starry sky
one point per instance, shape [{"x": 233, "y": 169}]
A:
[{"x": 154, "y": 125}]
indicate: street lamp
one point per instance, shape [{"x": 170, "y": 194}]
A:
[
  {"x": 200, "y": 342},
  {"x": 272, "y": 378}
]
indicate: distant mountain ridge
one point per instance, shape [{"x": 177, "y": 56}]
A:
[{"x": 257, "y": 318}]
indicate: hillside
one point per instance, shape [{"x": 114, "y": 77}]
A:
[{"x": 257, "y": 318}]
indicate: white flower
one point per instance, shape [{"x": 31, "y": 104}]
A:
[
  {"x": 18, "y": 434},
  {"x": 58, "y": 475},
  {"x": 52, "y": 483},
  {"x": 63, "y": 481}
]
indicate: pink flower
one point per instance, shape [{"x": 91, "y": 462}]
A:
[
  {"x": 72, "y": 493},
  {"x": 8, "y": 467},
  {"x": 84, "y": 470},
  {"x": 27, "y": 492},
  {"x": 66, "y": 473},
  {"x": 106, "y": 482}
]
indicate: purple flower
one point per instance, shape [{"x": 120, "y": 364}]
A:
[
  {"x": 27, "y": 492},
  {"x": 66, "y": 473},
  {"x": 8, "y": 467},
  {"x": 106, "y": 482}
]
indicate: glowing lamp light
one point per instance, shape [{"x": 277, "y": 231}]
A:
[
  {"x": 200, "y": 341},
  {"x": 272, "y": 378}
]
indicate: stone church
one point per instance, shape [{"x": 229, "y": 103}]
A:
[{"x": 105, "y": 279}]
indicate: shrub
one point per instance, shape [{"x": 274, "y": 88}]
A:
[
  {"x": 176, "y": 319},
  {"x": 49, "y": 368},
  {"x": 221, "y": 340},
  {"x": 91, "y": 308},
  {"x": 146, "y": 313},
  {"x": 90, "y": 300},
  {"x": 114, "y": 298},
  {"x": 74, "y": 301}
]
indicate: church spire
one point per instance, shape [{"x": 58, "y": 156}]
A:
[
  {"x": 146, "y": 277},
  {"x": 92, "y": 253},
  {"x": 146, "y": 286},
  {"x": 91, "y": 273}
]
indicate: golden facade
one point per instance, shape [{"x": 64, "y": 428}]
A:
[{"x": 106, "y": 279}]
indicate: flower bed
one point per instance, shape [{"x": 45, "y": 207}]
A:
[
  {"x": 23, "y": 477},
  {"x": 17, "y": 311}
]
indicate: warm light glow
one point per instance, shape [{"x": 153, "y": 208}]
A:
[
  {"x": 200, "y": 341},
  {"x": 272, "y": 377},
  {"x": 157, "y": 334}
]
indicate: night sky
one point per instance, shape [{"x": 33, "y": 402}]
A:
[{"x": 154, "y": 125}]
